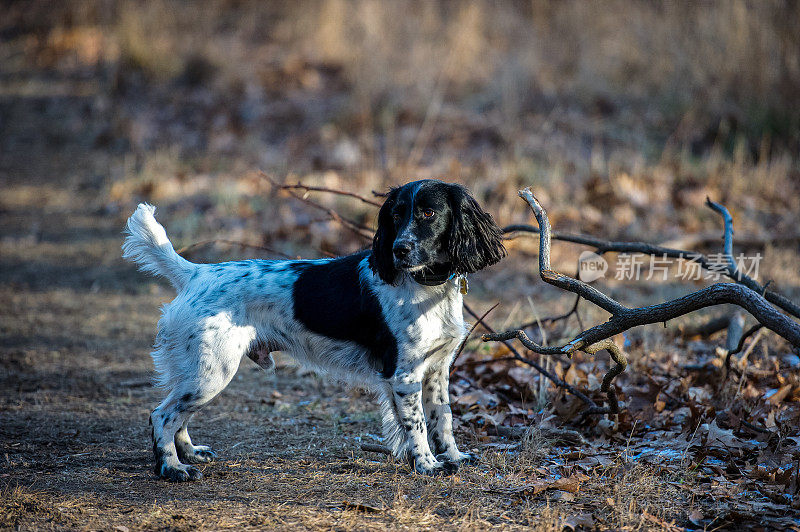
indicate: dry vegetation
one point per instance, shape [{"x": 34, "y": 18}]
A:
[{"x": 622, "y": 116}]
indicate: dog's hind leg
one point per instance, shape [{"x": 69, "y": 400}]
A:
[
  {"x": 172, "y": 445},
  {"x": 166, "y": 420},
  {"x": 199, "y": 382},
  {"x": 188, "y": 453}
]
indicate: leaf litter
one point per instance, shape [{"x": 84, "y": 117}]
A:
[{"x": 730, "y": 445}]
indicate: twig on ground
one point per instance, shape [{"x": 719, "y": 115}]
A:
[
  {"x": 735, "y": 330},
  {"x": 707, "y": 328},
  {"x": 755, "y": 428},
  {"x": 464, "y": 341},
  {"x": 593, "y": 407},
  {"x": 376, "y": 448},
  {"x": 620, "y": 363}
]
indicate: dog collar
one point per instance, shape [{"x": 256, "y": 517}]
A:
[
  {"x": 436, "y": 280},
  {"x": 432, "y": 279}
]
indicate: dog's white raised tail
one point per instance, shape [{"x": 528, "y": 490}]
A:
[{"x": 147, "y": 245}]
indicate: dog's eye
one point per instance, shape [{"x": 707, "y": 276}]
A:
[{"x": 428, "y": 213}]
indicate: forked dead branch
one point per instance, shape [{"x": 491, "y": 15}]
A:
[
  {"x": 745, "y": 292},
  {"x": 730, "y": 270}
]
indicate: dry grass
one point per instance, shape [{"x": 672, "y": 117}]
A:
[
  {"x": 697, "y": 62},
  {"x": 628, "y": 102},
  {"x": 633, "y": 111}
]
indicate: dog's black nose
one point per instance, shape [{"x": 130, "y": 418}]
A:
[{"x": 401, "y": 249}]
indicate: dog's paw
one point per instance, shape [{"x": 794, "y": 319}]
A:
[
  {"x": 436, "y": 469},
  {"x": 205, "y": 455},
  {"x": 198, "y": 454},
  {"x": 180, "y": 474},
  {"x": 459, "y": 458}
]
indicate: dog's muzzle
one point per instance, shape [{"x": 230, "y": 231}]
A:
[{"x": 403, "y": 254}]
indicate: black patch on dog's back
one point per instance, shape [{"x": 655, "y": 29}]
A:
[{"x": 330, "y": 300}]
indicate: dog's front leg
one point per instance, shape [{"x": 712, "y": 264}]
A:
[
  {"x": 407, "y": 396},
  {"x": 436, "y": 398}
]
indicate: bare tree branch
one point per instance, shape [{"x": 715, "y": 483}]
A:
[
  {"x": 355, "y": 227},
  {"x": 464, "y": 341},
  {"x": 605, "y": 246},
  {"x": 707, "y": 328},
  {"x": 727, "y": 233},
  {"x": 307, "y": 188},
  {"x": 593, "y": 407},
  {"x": 738, "y": 349},
  {"x": 376, "y": 448},
  {"x": 620, "y": 363},
  {"x": 624, "y": 318}
]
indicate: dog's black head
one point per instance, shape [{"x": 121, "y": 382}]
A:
[{"x": 433, "y": 230}]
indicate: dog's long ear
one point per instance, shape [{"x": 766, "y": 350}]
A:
[
  {"x": 475, "y": 239},
  {"x": 382, "y": 259}
]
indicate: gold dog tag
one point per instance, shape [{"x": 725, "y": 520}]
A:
[{"x": 462, "y": 281}]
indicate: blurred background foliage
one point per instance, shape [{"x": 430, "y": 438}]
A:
[{"x": 633, "y": 110}]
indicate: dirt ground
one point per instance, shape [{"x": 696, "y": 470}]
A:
[
  {"x": 622, "y": 125},
  {"x": 75, "y": 330}
]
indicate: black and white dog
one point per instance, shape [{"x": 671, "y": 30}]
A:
[{"x": 388, "y": 318}]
